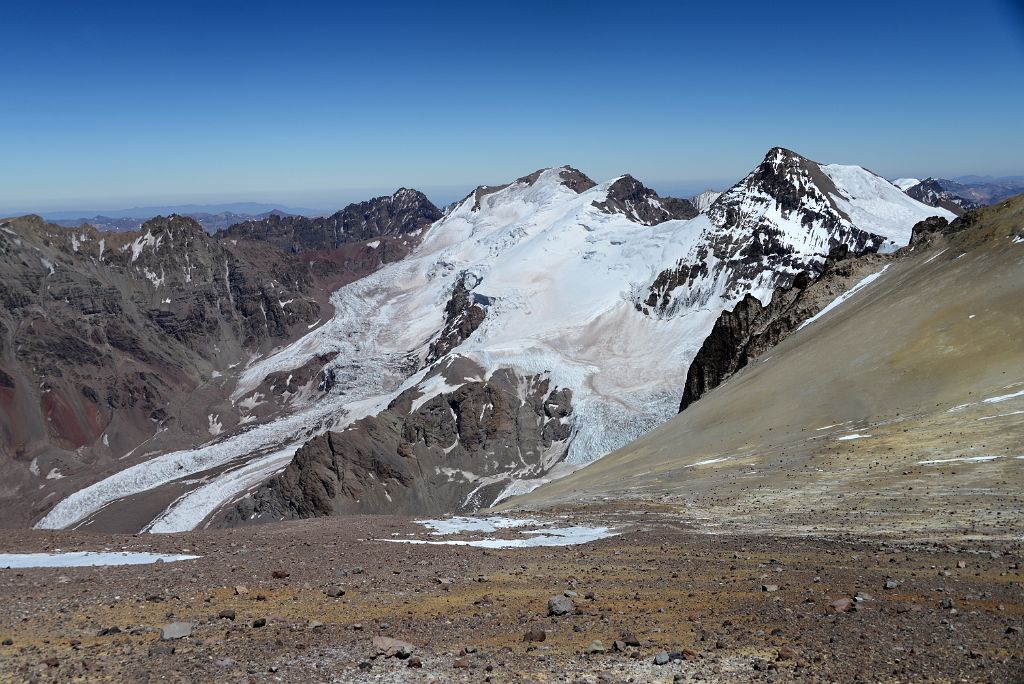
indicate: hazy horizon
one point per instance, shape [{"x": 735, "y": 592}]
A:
[{"x": 337, "y": 103}]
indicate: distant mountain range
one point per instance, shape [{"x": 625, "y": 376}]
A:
[{"x": 963, "y": 193}]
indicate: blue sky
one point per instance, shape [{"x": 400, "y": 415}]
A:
[{"x": 314, "y": 104}]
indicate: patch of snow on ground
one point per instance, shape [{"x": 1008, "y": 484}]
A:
[
  {"x": 965, "y": 459},
  {"x": 1005, "y": 397},
  {"x": 1002, "y": 415},
  {"x": 469, "y": 524},
  {"x": 853, "y": 436},
  {"x": 545, "y": 536},
  {"x": 708, "y": 461},
  {"x": 79, "y": 559}
]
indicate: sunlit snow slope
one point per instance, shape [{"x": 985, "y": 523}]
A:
[{"x": 565, "y": 285}]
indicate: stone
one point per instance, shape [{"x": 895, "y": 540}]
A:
[
  {"x": 51, "y": 662},
  {"x": 535, "y": 634},
  {"x": 946, "y": 604},
  {"x": 560, "y": 605},
  {"x": 891, "y": 584},
  {"x": 414, "y": 662},
  {"x": 241, "y": 590},
  {"x": 843, "y": 605},
  {"x": 596, "y": 647},
  {"x": 619, "y": 645},
  {"x": 661, "y": 659},
  {"x": 461, "y": 663},
  {"x": 161, "y": 649},
  {"x": 226, "y": 614},
  {"x": 280, "y": 574},
  {"x": 786, "y": 653},
  {"x": 175, "y": 630},
  {"x": 390, "y": 647},
  {"x": 335, "y": 592},
  {"x": 769, "y": 587},
  {"x": 631, "y": 640},
  {"x": 259, "y": 622}
]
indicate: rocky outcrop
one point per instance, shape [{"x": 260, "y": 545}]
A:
[
  {"x": 404, "y": 212},
  {"x": 454, "y": 452},
  {"x": 463, "y": 314},
  {"x": 629, "y": 197},
  {"x": 750, "y": 329}
]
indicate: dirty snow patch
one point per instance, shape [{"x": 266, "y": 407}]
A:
[
  {"x": 855, "y": 435},
  {"x": 78, "y": 559}
]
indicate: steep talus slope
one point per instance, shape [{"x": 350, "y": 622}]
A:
[
  {"x": 104, "y": 337},
  {"x": 898, "y": 411},
  {"x": 533, "y": 279},
  {"x": 406, "y": 211}
]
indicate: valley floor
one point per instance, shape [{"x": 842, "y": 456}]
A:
[{"x": 722, "y": 607}]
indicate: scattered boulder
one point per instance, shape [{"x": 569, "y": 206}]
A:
[
  {"x": 175, "y": 630},
  {"x": 335, "y": 592},
  {"x": 535, "y": 634},
  {"x": 661, "y": 659},
  {"x": 769, "y": 588},
  {"x": 843, "y": 605},
  {"x": 280, "y": 574},
  {"x": 596, "y": 647},
  {"x": 241, "y": 590},
  {"x": 560, "y": 605},
  {"x": 390, "y": 647},
  {"x": 259, "y": 622},
  {"x": 226, "y": 614},
  {"x": 891, "y": 584}
]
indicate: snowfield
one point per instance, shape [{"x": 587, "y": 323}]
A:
[{"x": 561, "y": 280}]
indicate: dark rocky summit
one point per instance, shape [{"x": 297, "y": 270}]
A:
[
  {"x": 746, "y": 246},
  {"x": 629, "y": 197},
  {"x": 404, "y": 212},
  {"x": 454, "y": 452}
]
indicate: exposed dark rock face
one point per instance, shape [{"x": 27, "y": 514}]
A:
[
  {"x": 574, "y": 179},
  {"x": 104, "y": 334},
  {"x": 406, "y": 211},
  {"x": 453, "y": 453},
  {"x": 629, "y": 197},
  {"x": 463, "y": 314},
  {"x": 750, "y": 329},
  {"x": 941, "y": 193},
  {"x": 930, "y": 226},
  {"x": 746, "y": 248}
]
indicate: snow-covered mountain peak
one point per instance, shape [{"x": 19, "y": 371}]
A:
[
  {"x": 542, "y": 182},
  {"x": 605, "y": 290}
]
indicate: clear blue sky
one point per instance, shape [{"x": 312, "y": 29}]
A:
[{"x": 112, "y": 104}]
